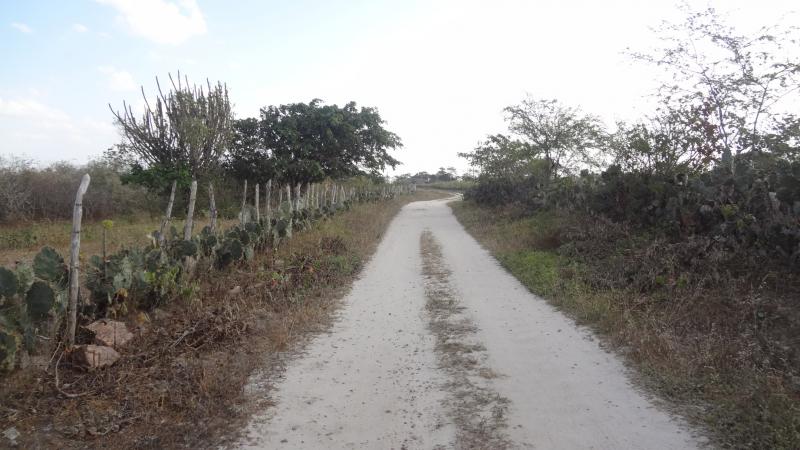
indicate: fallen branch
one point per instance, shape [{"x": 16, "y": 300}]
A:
[{"x": 58, "y": 387}]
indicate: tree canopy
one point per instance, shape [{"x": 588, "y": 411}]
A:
[
  {"x": 550, "y": 140},
  {"x": 182, "y": 133},
  {"x": 742, "y": 80},
  {"x": 305, "y": 142}
]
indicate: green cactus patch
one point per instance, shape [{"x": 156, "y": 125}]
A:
[
  {"x": 185, "y": 248},
  {"x": 235, "y": 249},
  {"x": 39, "y": 301},
  {"x": 281, "y": 228},
  {"x": 230, "y": 251},
  {"x": 48, "y": 265},
  {"x": 25, "y": 278},
  {"x": 121, "y": 273},
  {"x": 10, "y": 343},
  {"x": 8, "y": 283},
  {"x": 154, "y": 259}
]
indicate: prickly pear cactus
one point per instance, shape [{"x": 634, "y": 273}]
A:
[
  {"x": 10, "y": 342},
  {"x": 244, "y": 237},
  {"x": 230, "y": 251},
  {"x": 281, "y": 228},
  {"x": 252, "y": 227},
  {"x": 121, "y": 273},
  {"x": 8, "y": 283},
  {"x": 184, "y": 248},
  {"x": 154, "y": 259},
  {"x": 48, "y": 265},
  {"x": 39, "y": 301},
  {"x": 207, "y": 244}
]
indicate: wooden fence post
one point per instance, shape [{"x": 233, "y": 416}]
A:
[
  {"x": 244, "y": 204},
  {"x": 187, "y": 228},
  {"x": 162, "y": 236},
  {"x": 258, "y": 205},
  {"x": 268, "y": 195},
  {"x": 291, "y": 212},
  {"x": 212, "y": 207},
  {"x": 74, "y": 261}
]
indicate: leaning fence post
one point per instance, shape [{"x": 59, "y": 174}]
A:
[
  {"x": 187, "y": 228},
  {"x": 291, "y": 211},
  {"x": 258, "y": 205},
  {"x": 268, "y": 195},
  {"x": 74, "y": 261},
  {"x": 162, "y": 234},
  {"x": 244, "y": 203},
  {"x": 212, "y": 207}
]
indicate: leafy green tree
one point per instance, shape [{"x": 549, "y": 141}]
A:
[
  {"x": 499, "y": 156},
  {"x": 564, "y": 137},
  {"x": 676, "y": 142},
  {"x": 306, "y": 142},
  {"x": 248, "y": 158}
]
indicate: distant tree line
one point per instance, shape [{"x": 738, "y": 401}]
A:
[{"x": 443, "y": 174}]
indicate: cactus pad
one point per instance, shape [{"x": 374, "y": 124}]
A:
[
  {"x": 39, "y": 300},
  {"x": 8, "y": 283},
  {"x": 48, "y": 265}
]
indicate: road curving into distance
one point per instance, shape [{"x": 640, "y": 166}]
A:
[{"x": 438, "y": 347}]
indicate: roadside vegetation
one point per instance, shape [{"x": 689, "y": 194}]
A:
[
  {"x": 191, "y": 357},
  {"x": 211, "y": 243},
  {"x": 677, "y": 237}
]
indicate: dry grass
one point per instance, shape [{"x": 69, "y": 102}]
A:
[
  {"x": 20, "y": 242},
  {"x": 180, "y": 382},
  {"x": 724, "y": 352}
]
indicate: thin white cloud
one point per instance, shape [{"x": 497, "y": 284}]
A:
[
  {"x": 22, "y": 27},
  {"x": 30, "y": 108},
  {"x": 161, "y": 21},
  {"x": 118, "y": 80},
  {"x": 79, "y": 28},
  {"x": 45, "y": 133}
]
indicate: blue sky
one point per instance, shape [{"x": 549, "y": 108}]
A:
[{"x": 440, "y": 72}]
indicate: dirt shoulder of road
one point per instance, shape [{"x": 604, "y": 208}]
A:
[{"x": 181, "y": 382}]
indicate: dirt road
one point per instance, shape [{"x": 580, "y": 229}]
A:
[{"x": 438, "y": 347}]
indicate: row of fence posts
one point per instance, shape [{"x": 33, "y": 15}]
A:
[{"x": 298, "y": 198}]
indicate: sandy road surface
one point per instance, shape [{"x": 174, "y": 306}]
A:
[{"x": 438, "y": 347}]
